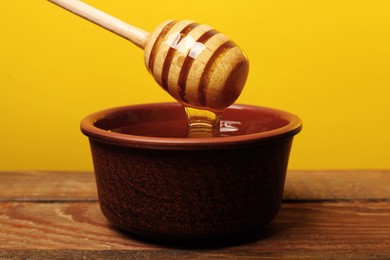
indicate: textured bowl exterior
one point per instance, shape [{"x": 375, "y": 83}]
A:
[{"x": 198, "y": 193}]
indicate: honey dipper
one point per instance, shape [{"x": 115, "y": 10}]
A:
[{"x": 194, "y": 63}]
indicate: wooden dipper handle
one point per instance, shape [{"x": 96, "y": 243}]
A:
[{"x": 129, "y": 32}]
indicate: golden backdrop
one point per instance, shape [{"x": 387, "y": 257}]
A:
[{"x": 326, "y": 61}]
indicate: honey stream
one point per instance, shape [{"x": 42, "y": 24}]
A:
[{"x": 202, "y": 123}]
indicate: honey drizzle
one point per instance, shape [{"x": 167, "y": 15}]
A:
[{"x": 202, "y": 123}]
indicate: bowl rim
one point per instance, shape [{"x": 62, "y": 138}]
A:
[{"x": 88, "y": 128}]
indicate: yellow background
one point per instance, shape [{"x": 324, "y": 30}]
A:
[{"x": 326, "y": 61}]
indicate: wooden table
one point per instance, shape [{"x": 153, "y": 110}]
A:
[{"x": 325, "y": 215}]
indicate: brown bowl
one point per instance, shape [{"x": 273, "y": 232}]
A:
[{"x": 155, "y": 182}]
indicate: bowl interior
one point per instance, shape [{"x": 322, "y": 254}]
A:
[
  {"x": 166, "y": 123},
  {"x": 170, "y": 121}
]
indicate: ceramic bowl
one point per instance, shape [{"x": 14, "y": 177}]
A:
[{"x": 153, "y": 181}]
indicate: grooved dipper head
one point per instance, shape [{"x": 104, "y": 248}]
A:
[{"x": 196, "y": 65}]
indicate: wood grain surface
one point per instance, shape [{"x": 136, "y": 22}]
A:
[
  {"x": 300, "y": 185},
  {"x": 337, "y": 185},
  {"x": 47, "y": 186},
  {"x": 55, "y": 215}
]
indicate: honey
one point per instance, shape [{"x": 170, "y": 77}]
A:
[{"x": 202, "y": 123}]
